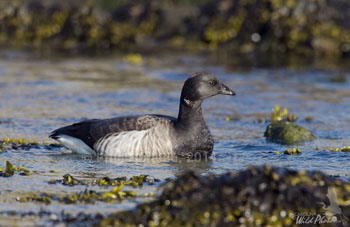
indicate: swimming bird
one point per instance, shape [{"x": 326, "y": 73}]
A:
[{"x": 150, "y": 135}]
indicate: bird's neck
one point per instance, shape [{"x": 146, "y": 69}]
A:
[{"x": 190, "y": 114}]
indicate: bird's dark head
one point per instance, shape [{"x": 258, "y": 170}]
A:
[{"x": 203, "y": 85}]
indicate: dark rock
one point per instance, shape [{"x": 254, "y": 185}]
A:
[{"x": 256, "y": 196}]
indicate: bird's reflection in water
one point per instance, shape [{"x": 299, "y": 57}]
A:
[
  {"x": 181, "y": 165},
  {"x": 170, "y": 166}
]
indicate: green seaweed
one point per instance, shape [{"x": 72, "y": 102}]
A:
[
  {"x": 135, "y": 181},
  {"x": 281, "y": 115},
  {"x": 10, "y": 170},
  {"x": 23, "y": 144},
  {"x": 294, "y": 151},
  {"x": 342, "y": 149},
  {"x": 86, "y": 196},
  {"x": 91, "y": 196}
]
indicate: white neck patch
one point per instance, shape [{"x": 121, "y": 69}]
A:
[{"x": 188, "y": 102}]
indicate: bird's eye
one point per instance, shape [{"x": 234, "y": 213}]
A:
[{"x": 212, "y": 83}]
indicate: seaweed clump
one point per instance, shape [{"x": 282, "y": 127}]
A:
[
  {"x": 135, "y": 181},
  {"x": 294, "y": 151},
  {"x": 86, "y": 196},
  {"x": 23, "y": 144},
  {"x": 91, "y": 196},
  {"x": 342, "y": 149},
  {"x": 10, "y": 170},
  {"x": 258, "y": 196}
]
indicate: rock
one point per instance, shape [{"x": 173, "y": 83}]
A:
[
  {"x": 258, "y": 196},
  {"x": 287, "y": 133},
  {"x": 304, "y": 27}
]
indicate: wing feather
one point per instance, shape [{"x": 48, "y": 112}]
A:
[{"x": 91, "y": 131}]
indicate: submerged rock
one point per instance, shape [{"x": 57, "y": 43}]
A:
[
  {"x": 287, "y": 133},
  {"x": 258, "y": 196}
]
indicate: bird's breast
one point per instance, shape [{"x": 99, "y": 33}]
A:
[{"x": 194, "y": 144}]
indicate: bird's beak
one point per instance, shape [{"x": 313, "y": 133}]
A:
[{"x": 226, "y": 90}]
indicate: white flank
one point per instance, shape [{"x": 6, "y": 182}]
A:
[
  {"x": 152, "y": 142},
  {"x": 76, "y": 145}
]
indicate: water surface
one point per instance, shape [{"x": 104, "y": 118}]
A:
[{"x": 40, "y": 95}]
